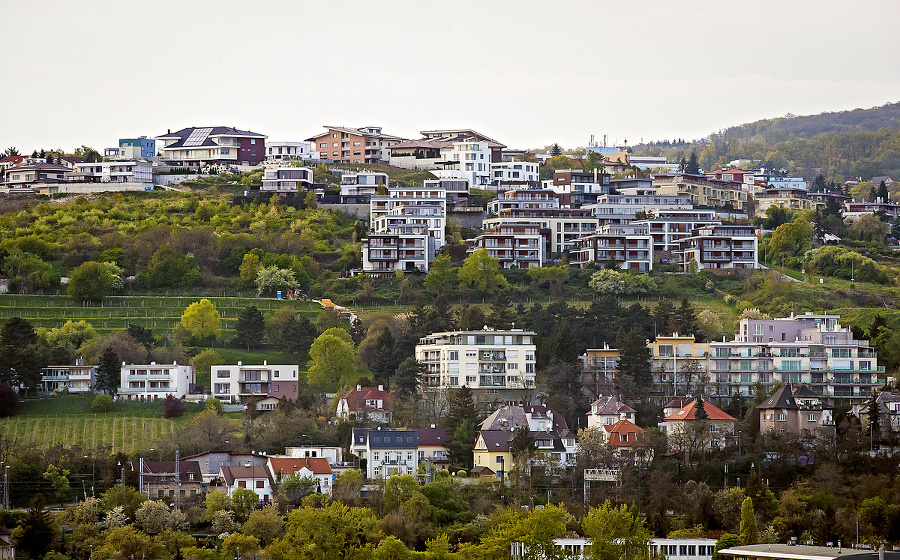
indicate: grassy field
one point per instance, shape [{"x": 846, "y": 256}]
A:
[{"x": 159, "y": 313}]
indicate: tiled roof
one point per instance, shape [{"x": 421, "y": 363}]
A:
[
  {"x": 623, "y": 427},
  {"x": 497, "y": 441},
  {"x": 781, "y": 399},
  {"x": 256, "y": 471},
  {"x": 186, "y": 469},
  {"x": 356, "y": 399},
  {"x": 432, "y": 437},
  {"x": 288, "y": 465},
  {"x": 713, "y": 412},
  {"x": 203, "y": 136},
  {"x": 610, "y": 405}
]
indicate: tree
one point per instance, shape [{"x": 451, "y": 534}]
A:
[
  {"x": 332, "y": 361},
  {"x": 522, "y": 448},
  {"x": 271, "y": 278},
  {"x": 103, "y": 403},
  {"x": 481, "y": 273},
  {"x": 288, "y": 332},
  {"x": 94, "y": 281},
  {"x": 20, "y": 359},
  {"x": 153, "y": 516},
  {"x": 168, "y": 269},
  {"x": 408, "y": 377},
  {"x": 383, "y": 363},
  {"x": 555, "y": 150},
  {"x": 173, "y": 407},
  {"x": 616, "y": 532},
  {"x": 310, "y": 200},
  {"x": 108, "y": 372},
  {"x": 201, "y": 320},
  {"x": 634, "y": 365},
  {"x": 727, "y": 540},
  {"x": 265, "y": 524},
  {"x": 334, "y": 532},
  {"x": 59, "y": 481},
  {"x": 9, "y": 400},
  {"x": 700, "y": 413},
  {"x": 240, "y": 546},
  {"x": 249, "y": 328},
  {"x": 461, "y": 404},
  {"x": 441, "y": 277},
  {"x": 127, "y": 543},
  {"x": 36, "y": 534},
  {"x": 874, "y": 418},
  {"x": 204, "y": 361},
  {"x": 462, "y": 440},
  {"x": 883, "y": 192},
  {"x": 749, "y": 530},
  {"x": 693, "y": 165},
  {"x": 684, "y": 320},
  {"x": 206, "y": 430},
  {"x": 243, "y": 501}
]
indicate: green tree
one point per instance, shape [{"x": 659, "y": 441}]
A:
[
  {"x": 20, "y": 357},
  {"x": 243, "y": 501},
  {"x": 153, "y": 516},
  {"x": 310, "y": 200},
  {"x": 523, "y": 450},
  {"x": 616, "y": 532},
  {"x": 240, "y": 546},
  {"x": 693, "y": 165},
  {"x": 71, "y": 335},
  {"x": 59, "y": 481},
  {"x": 217, "y": 501},
  {"x": 204, "y": 361},
  {"x": 271, "y": 278},
  {"x": 727, "y": 540},
  {"x": 461, "y": 407},
  {"x": 441, "y": 278},
  {"x": 168, "y": 269},
  {"x": 127, "y": 543},
  {"x": 462, "y": 441},
  {"x": 288, "y": 332},
  {"x": 384, "y": 363},
  {"x": 749, "y": 529},
  {"x": 36, "y": 534},
  {"x": 332, "y": 360},
  {"x": 249, "y": 268},
  {"x": 634, "y": 365},
  {"x": 102, "y": 403},
  {"x": 95, "y": 281},
  {"x": 536, "y": 530},
  {"x": 408, "y": 377},
  {"x": 265, "y": 524},
  {"x": 334, "y": 532},
  {"x": 108, "y": 372},
  {"x": 201, "y": 320},
  {"x": 555, "y": 150},
  {"x": 481, "y": 273},
  {"x": 249, "y": 328}
]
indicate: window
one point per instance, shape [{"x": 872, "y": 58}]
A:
[
  {"x": 222, "y": 388},
  {"x": 409, "y": 456},
  {"x": 276, "y": 373},
  {"x": 223, "y": 373},
  {"x": 260, "y": 484},
  {"x": 623, "y": 437},
  {"x": 376, "y": 456},
  {"x": 454, "y": 355},
  {"x": 811, "y": 417},
  {"x": 242, "y": 483},
  {"x": 782, "y": 417},
  {"x": 454, "y": 381},
  {"x": 499, "y": 460},
  {"x": 275, "y": 388}
]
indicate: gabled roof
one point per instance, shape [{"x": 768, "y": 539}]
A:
[
  {"x": 678, "y": 402},
  {"x": 623, "y": 427},
  {"x": 356, "y": 131},
  {"x": 512, "y": 417},
  {"x": 609, "y": 406},
  {"x": 157, "y": 469},
  {"x": 432, "y": 437},
  {"x": 356, "y": 398},
  {"x": 497, "y": 441},
  {"x": 230, "y": 474},
  {"x": 386, "y": 439},
  {"x": 15, "y": 160},
  {"x": 689, "y": 411},
  {"x": 781, "y": 399},
  {"x": 195, "y": 137},
  {"x": 288, "y": 465}
]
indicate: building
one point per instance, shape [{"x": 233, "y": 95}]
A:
[
  {"x": 425, "y": 206},
  {"x": 608, "y": 411},
  {"x": 576, "y": 548},
  {"x": 362, "y": 404},
  {"x": 387, "y": 452},
  {"x": 630, "y": 246},
  {"x": 333, "y": 454},
  {"x": 341, "y": 144},
  {"x": 703, "y": 191},
  {"x": 569, "y": 181},
  {"x": 211, "y": 462},
  {"x": 679, "y": 365},
  {"x": 510, "y": 173},
  {"x": 250, "y": 383},
  {"x": 794, "y": 409},
  {"x": 626, "y": 438},
  {"x": 668, "y": 227},
  {"x": 514, "y": 245},
  {"x": 854, "y": 209},
  {"x": 213, "y": 145},
  {"x": 120, "y": 171},
  {"x": 168, "y": 479},
  {"x": 133, "y": 148},
  {"x": 435, "y": 150},
  {"x": 362, "y": 183},
  {"x": 77, "y": 378},
  {"x": 32, "y": 174},
  {"x": 155, "y": 381},
  {"x": 599, "y": 367},
  {"x": 679, "y": 427},
  {"x": 279, "y": 152},
  {"x": 523, "y": 199},
  {"x": 719, "y": 247},
  {"x": 622, "y": 208},
  {"x": 456, "y": 189},
  {"x": 466, "y": 159},
  {"x": 286, "y": 179},
  {"x": 316, "y": 469},
  {"x": 787, "y": 198},
  {"x": 776, "y": 551},
  {"x": 433, "y": 447},
  {"x": 498, "y": 365},
  {"x": 561, "y": 227},
  {"x": 254, "y": 477},
  {"x": 747, "y": 178},
  {"x": 810, "y": 349}
]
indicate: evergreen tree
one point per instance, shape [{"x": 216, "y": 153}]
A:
[
  {"x": 883, "y": 192},
  {"x": 249, "y": 328},
  {"x": 693, "y": 165},
  {"x": 501, "y": 317},
  {"x": 408, "y": 377},
  {"x": 20, "y": 357},
  {"x": 819, "y": 183},
  {"x": 462, "y": 440},
  {"x": 383, "y": 366},
  {"x": 749, "y": 528},
  {"x": 461, "y": 408},
  {"x": 472, "y": 318},
  {"x": 108, "y": 372},
  {"x": 684, "y": 320},
  {"x": 634, "y": 365},
  {"x": 700, "y": 409},
  {"x": 874, "y": 419},
  {"x": 36, "y": 534},
  {"x": 440, "y": 316},
  {"x": 555, "y": 150},
  {"x": 662, "y": 317},
  {"x": 357, "y": 331},
  {"x": 682, "y": 165},
  {"x": 142, "y": 335}
]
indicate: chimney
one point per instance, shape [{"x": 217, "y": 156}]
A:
[
  {"x": 239, "y": 363},
  {"x": 359, "y": 387},
  {"x": 381, "y": 387}
]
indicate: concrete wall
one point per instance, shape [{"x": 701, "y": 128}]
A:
[
  {"x": 467, "y": 219},
  {"x": 359, "y": 210}
]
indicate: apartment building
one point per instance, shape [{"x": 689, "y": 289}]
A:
[
  {"x": 853, "y": 209},
  {"x": 433, "y": 150},
  {"x": 620, "y": 209},
  {"x": 279, "y": 152},
  {"x": 35, "y": 174},
  {"x": 251, "y": 383},
  {"x": 561, "y": 226},
  {"x": 409, "y": 197},
  {"x": 746, "y": 178},
  {"x": 679, "y": 365},
  {"x": 77, "y": 378},
  {"x": 668, "y": 227},
  {"x": 523, "y": 199},
  {"x": 510, "y": 173},
  {"x": 362, "y": 183},
  {"x": 498, "y": 365},
  {"x": 155, "y": 381},
  {"x": 466, "y": 159},
  {"x": 341, "y": 144},
  {"x": 794, "y": 409},
  {"x": 387, "y": 452},
  {"x": 790, "y": 199},
  {"x": 567, "y": 181},
  {"x": 702, "y": 190},
  {"x": 212, "y": 145},
  {"x": 286, "y": 179},
  {"x": 719, "y": 247},
  {"x": 456, "y": 189},
  {"x": 138, "y": 171},
  {"x": 812, "y": 349},
  {"x": 398, "y": 245},
  {"x": 629, "y": 245},
  {"x": 133, "y": 148},
  {"x": 514, "y": 245},
  {"x": 599, "y": 367}
]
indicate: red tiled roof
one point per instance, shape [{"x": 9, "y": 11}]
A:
[
  {"x": 432, "y": 437},
  {"x": 289, "y": 465},
  {"x": 623, "y": 427},
  {"x": 356, "y": 399},
  {"x": 713, "y": 412},
  {"x": 255, "y": 471}
]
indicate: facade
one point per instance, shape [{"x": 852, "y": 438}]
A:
[
  {"x": 778, "y": 551},
  {"x": 120, "y": 171},
  {"x": 497, "y": 365},
  {"x": 407, "y": 229},
  {"x": 466, "y": 159},
  {"x": 387, "y": 452},
  {"x": 362, "y": 183},
  {"x": 433, "y": 447},
  {"x": 618, "y": 209},
  {"x": 427, "y": 206},
  {"x": 794, "y": 409},
  {"x": 436, "y": 150},
  {"x": 515, "y": 173},
  {"x": 211, "y": 462},
  {"x": 561, "y": 226},
  {"x": 791, "y": 199},
  {"x": 629, "y": 245},
  {"x": 250, "y": 383},
  {"x": 316, "y": 469},
  {"x": 523, "y": 199},
  {"x": 155, "y": 381},
  {"x": 812, "y": 349},
  {"x": 854, "y": 209},
  {"x": 140, "y": 147},
  {"x": 77, "y": 378},
  {"x": 703, "y": 191},
  {"x": 341, "y": 144},
  {"x": 567, "y": 181},
  {"x": 679, "y": 427},
  {"x": 278, "y": 152},
  {"x": 455, "y": 188},
  {"x": 577, "y": 548},
  {"x": 514, "y": 245},
  {"x": 254, "y": 477},
  {"x": 668, "y": 227},
  {"x": 718, "y": 247},
  {"x": 679, "y": 364},
  {"x": 333, "y": 454},
  {"x": 286, "y": 179},
  {"x": 165, "y": 479},
  {"x": 599, "y": 367},
  {"x": 747, "y": 178},
  {"x": 366, "y": 403},
  {"x": 608, "y": 411},
  {"x": 213, "y": 145},
  {"x": 35, "y": 174}
]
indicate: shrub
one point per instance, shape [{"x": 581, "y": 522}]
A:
[
  {"x": 9, "y": 400},
  {"x": 102, "y": 403},
  {"x": 173, "y": 408}
]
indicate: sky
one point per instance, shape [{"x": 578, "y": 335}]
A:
[{"x": 526, "y": 73}]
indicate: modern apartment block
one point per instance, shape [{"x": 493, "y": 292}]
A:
[
  {"x": 618, "y": 209},
  {"x": 812, "y": 349},
  {"x": 514, "y": 245},
  {"x": 466, "y": 159},
  {"x": 286, "y": 179},
  {"x": 498, "y": 365},
  {"x": 668, "y": 227},
  {"x": 133, "y": 148},
  {"x": 155, "y": 381},
  {"x": 576, "y": 181},
  {"x": 599, "y": 367},
  {"x": 561, "y": 226},
  {"x": 630, "y": 246},
  {"x": 362, "y": 183},
  {"x": 436, "y": 150},
  {"x": 456, "y": 189},
  {"x": 213, "y": 145},
  {"x": 523, "y": 199},
  {"x": 719, "y": 247},
  {"x": 77, "y": 378},
  {"x": 511, "y": 173},
  {"x": 138, "y": 171},
  {"x": 702, "y": 190},
  {"x": 251, "y": 383},
  {"x": 679, "y": 365},
  {"x": 278, "y": 152},
  {"x": 353, "y": 145}
]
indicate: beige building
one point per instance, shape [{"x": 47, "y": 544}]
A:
[
  {"x": 794, "y": 409},
  {"x": 702, "y": 190},
  {"x": 679, "y": 365}
]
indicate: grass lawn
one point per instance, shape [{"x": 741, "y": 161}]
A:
[{"x": 233, "y": 355}]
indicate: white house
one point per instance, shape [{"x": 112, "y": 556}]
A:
[
  {"x": 77, "y": 378},
  {"x": 607, "y": 410},
  {"x": 386, "y": 452},
  {"x": 155, "y": 381},
  {"x": 512, "y": 172},
  {"x": 254, "y": 477},
  {"x": 333, "y": 454},
  {"x": 366, "y": 403},
  {"x": 287, "y": 151},
  {"x": 121, "y": 171},
  {"x": 243, "y": 383},
  {"x": 286, "y": 179},
  {"x": 317, "y": 469}
]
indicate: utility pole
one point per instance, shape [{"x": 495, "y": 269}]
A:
[{"x": 177, "y": 480}]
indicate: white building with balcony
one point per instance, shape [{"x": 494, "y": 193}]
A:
[
  {"x": 514, "y": 245},
  {"x": 277, "y": 152},
  {"x": 286, "y": 179},
  {"x": 498, "y": 365},
  {"x": 387, "y": 452},
  {"x": 78, "y": 378},
  {"x": 249, "y": 383},
  {"x": 137, "y": 171},
  {"x": 717, "y": 247},
  {"x": 668, "y": 227},
  {"x": 629, "y": 245},
  {"x": 468, "y": 159},
  {"x": 515, "y": 172},
  {"x": 624, "y": 208},
  {"x": 155, "y": 381},
  {"x": 362, "y": 183}
]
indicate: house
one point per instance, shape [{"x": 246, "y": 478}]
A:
[
  {"x": 509, "y": 174},
  {"x": 32, "y": 174},
  {"x": 363, "y": 183},
  {"x": 623, "y": 435},
  {"x": 623, "y": 207},
  {"x": 255, "y": 383},
  {"x": 679, "y": 427},
  {"x": 386, "y": 452},
  {"x": 450, "y": 153},
  {"x": 669, "y": 226},
  {"x": 7, "y": 545},
  {"x": 608, "y": 411},
  {"x": 254, "y": 477},
  {"x": 133, "y": 148},
  {"x": 119, "y": 171},
  {"x": 168, "y": 479},
  {"x": 794, "y": 409},
  {"x": 854, "y": 209},
  {"x": 279, "y": 152},
  {"x": 212, "y": 145},
  {"x": 719, "y": 247},
  {"x": 576, "y": 548},
  {"x": 433, "y": 447},
  {"x": 317, "y": 469},
  {"x": 733, "y": 174},
  {"x": 678, "y": 364},
  {"x": 77, "y": 378},
  {"x": 333, "y": 454},
  {"x": 211, "y": 462},
  {"x": 599, "y": 367},
  {"x": 366, "y": 403},
  {"x": 342, "y": 144},
  {"x": 155, "y": 381},
  {"x": 286, "y": 179},
  {"x": 576, "y": 181},
  {"x": 456, "y": 189}
]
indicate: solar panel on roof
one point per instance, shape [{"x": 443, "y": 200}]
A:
[{"x": 198, "y": 136}]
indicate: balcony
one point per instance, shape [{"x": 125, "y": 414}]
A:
[
  {"x": 492, "y": 381},
  {"x": 492, "y": 356},
  {"x": 492, "y": 368}
]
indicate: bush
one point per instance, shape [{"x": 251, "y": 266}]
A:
[
  {"x": 173, "y": 408},
  {"x": 9, "y": 400},
  {"x": 102, "y": 403}
]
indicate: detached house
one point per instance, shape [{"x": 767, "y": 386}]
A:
[
  {"x": 161, "y": 479},
  {"x": 680, "y": 427},
  {"x": 608, "y": 411},
  {"x": 313, "y": 468},
  {"x": 212, "y": 145},
  {"x": 794, "y": 409},
  {"x": 386, "y": 452},
  {"x": 255, "y": 477},
  {"x": 372, "y": 403}
]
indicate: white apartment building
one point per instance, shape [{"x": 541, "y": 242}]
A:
[
  {"x": 498, "y": 365},
  {"x": 468, "y": 159},
  {"x": 387, "y": 452},
  {"x": 511, "y": 172},
  {"x": 523, "y": 199},
  {"x": 561, "y": 226},
  {"x": 427, "y": 206},
  {"x": 137, "y": 171},
  {"x": 407, "y": 247},
  {"x": 812, "y": 349},
  {"x": 624, "y": 208},
  {"x": 717, "y": 247},
  {"x": 286, "y": 179},
  {"x": 630, "y": 246},
  {"x": 155, "y": 381},
  {"x": 277, "y": 152},
  {"x": 78, "y": 378},
  {"x": 243, "y": 383},
  {"x": 668, "y": 227},
  {"x": 455, "y": 188},
  {"x": 514, "y": 245},
  {"x": 362, "y": 183}
]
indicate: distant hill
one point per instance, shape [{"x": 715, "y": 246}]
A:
[{"x": 860, "y": 143}]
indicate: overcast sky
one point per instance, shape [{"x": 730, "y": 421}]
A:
[{"x": 526, "y": 73}]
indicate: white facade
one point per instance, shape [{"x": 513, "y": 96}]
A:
[
  {"x": 254, "y": 477},
  {"x": 623, "y": 208},
  {"x": 362, "y": 183},
  {"x": 387, "y": 452},
  {"x": 286, "y": 151},
  {"x": 668, "y": 227},
  {"x": 155, "y": 381},
  {"x": 407, "y": 229},
  {"x": 233, "y": 383},
  {"x": 453, "y": 187},
  {"x": 630, "y": 245},
  {"x": 467, "y": 159},
  {"x": 286, "y": 179},
  {"x": 523, "y": 199},
  {"x": 514, "y": 171},
  {"x": 138, "y": 171},
  {"x": 77, "y": 378},
  {"x": 514, "y": 245},
  {"x": 719, "y": 247},
  {"x": 333, "y": 454},
  {"x": 564, "y": 226}
]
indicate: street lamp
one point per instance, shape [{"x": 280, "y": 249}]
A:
[{"x": 123, "y": 473}]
